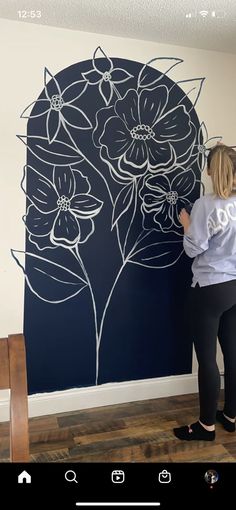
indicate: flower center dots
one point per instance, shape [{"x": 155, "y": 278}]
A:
[
  {"x": 56, "y": 102},
  {"x": 63, "y": 203},
  {"x": 172, "y": 197},
  {"x": 202, "y": 149},
  {"x": 107, "y": 76},
  {"x": 142, "y": 132}
]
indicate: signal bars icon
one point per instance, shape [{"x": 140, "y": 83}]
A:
[{"x": 191, "y": 15}]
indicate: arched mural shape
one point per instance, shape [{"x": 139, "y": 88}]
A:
[{"x": 114, "y": 150}]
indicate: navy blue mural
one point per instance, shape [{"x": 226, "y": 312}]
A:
[{"x": 114, "y": 150}]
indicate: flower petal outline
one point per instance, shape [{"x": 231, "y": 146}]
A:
[
  {"x": 50, "y": 80},
  {"x": 31, "y": 106},
  {"x": 104, "y": 56}
]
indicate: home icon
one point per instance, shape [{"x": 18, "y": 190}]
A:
[{"x": 24, "y": 477}]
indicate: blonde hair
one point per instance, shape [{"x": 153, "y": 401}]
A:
[{"x": 221, "y": 163}]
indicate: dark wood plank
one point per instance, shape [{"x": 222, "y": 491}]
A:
[
  {"x": 43, "y": 423},
  {"x": 54, "y": 456},
  {"x": 114, "y": 412},
  {"x": 4, "y": 429},
  {"x": 230, "y": 446},
  {"x": 50, "y": 440},
  {"x": 134, "y": 432}
]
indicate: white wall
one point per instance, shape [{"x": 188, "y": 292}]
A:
[{"x": 25, "y": 50}]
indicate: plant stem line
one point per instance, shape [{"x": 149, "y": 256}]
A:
[
  {"x": 89, "y": 162},
  {"x": 116, "y": 91},
  {"x": 105, "y": 311},
  {"x": 78, "y": 257},
  {"x": 133, "y": 215},
  {"x": 143, "y": 234}
]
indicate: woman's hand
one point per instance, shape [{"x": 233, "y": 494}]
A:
[{"x": 184, "y": 219}]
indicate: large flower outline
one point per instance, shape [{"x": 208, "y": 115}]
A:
[
  {"x": 163, "y": 196},
  {"x": 138, "y": 130},
  {"x": 58, "y": 106},
  {"x": 60, "y": 210},
  {"x": 106, "y": 75}
]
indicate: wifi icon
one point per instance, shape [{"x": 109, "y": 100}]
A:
[{"x": 203, "y": 13}]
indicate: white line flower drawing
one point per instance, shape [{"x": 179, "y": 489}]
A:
[
  {"x": 138, "y": 131},
  {"x": 162, "y": 198},
  {"x": 106, "y": 75},
  {"x": 143, "y": 155},
  {"x": 59, "y": 106},
  {"x": 62, "y": 209}
]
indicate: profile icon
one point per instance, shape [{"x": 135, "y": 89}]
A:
[{"x": 211, "y": 476}]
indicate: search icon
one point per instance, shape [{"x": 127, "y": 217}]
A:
[{"x": 70, "y": 476}]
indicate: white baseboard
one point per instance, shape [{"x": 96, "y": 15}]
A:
[{"x": 103, "y": 395}]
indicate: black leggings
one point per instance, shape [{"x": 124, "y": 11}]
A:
[{"x": 212, "y": 312}]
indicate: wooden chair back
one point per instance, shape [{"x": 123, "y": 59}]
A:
[{"x": 13, "y": 376}]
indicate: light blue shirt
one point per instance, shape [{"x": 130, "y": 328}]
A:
[{"x": 211, "y": 240}]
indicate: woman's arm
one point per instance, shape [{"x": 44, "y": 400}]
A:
[
  {"x": 184, "y": 219},
  {"x": 196, "y": 228}
]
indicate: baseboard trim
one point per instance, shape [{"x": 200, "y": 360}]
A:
[{"x": 103, "y": 395}]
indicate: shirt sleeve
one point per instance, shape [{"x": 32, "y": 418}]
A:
[{"x": 196, "y": 239}]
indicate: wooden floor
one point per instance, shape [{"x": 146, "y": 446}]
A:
[{"x": 133, "y": 432}]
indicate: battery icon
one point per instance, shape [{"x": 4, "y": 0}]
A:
[{"x": 218, "y": 14}]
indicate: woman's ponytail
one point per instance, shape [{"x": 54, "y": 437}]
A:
[{"x": 222, "y": 168}]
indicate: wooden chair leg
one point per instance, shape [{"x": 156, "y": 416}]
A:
[{"x": 19, "y": 433}]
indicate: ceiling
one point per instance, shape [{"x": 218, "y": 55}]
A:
[{"x": 163, "y": 21}]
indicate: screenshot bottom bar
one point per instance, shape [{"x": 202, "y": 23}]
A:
[{"x": 118, "y": 504}]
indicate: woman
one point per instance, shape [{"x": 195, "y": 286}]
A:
[{"x": 210, "y": 237}]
